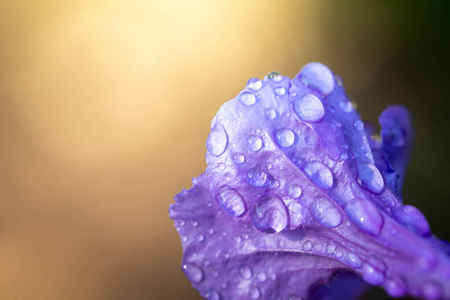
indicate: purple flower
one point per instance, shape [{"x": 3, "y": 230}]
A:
[{"x": 297, "y": 192}]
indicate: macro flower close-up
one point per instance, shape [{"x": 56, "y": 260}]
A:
[{"x": 299, "y": 190}]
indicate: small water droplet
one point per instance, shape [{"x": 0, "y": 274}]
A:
[
  {"x": 365, "y": 215},
  {"x": 215, "y": 273},
  {"x": 309, "y": 108},
  {"x": 184, "y": 238},
  {"x": 431, "y": 291},
  {"x": 222, "y": 166},
  {"x": 319, "y": 174},
  {"x": 270, "y": 113},
  {"x": 353, "y": 261},
  {"x": 285, "y": 137},
  {"x": 217, "y": 140},
  {"x": 331, "y": 248},
  {"x": 273, "y": 74},
  {"x": 269, "y": 214},
  {"x": 211, "y": 231},
  {"x": 194, "y": 223},
  {"x": 247, "y": 98},
  {"x": 273, "y": 183},
  {"x": 326, "y": 212},
  {"x": 317, "y": 77},
  {"x": 200, "y": 237},
  {"x": 395, "y": 288},
  {"x": 280, "y": 91},
  {"x": 359, "y": 125},
  {"x": 262, "y": 277},
  {"x": 256, "y": 177},
  {"x": 254, "y": 143},
  {"x": 294, "y": 191},
  {"x": 231, "y": 201},
  {"x": 255, "y": 293},
  {"x": 212, "y": 295},
  {"x": 307, "y": 245},
  {"x": 338, "y": 254},
  {"x": 346, "y": 106},
  {"x": 245, "y": 272},
  {"x": 254, "y": 83},
  {"x": 193, "y": 273},
  {"x": 245, "y": 236},
  {"x": 338, "y": 124},
  {"x": 237, "y": 239},
  {"x": 238, "y": 158},
  {"x": 370, "y": 178},
  {"x": 181, "y": 222},
  {"x": 372, "y": 275}
]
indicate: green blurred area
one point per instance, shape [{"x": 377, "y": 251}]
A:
[{"x": 105, "y": 107}]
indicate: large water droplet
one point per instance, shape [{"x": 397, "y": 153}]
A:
[
  {"x": 359, "y": 125},
  {"x": 254, "y": 143},
  {"x": 309, "y": 108},
  {"x": 319, "y": 174},
  {"x": 346, "y": 106},
  {"x": 269, "y": 214},
  {"x": 372, "y": 275},
  {"x": 256, "y": 177},
  {"x": 370, "y": 178},
  {"x": 231, "y": 201},
  {"x": 247, "y": 98},
  {"x": 280, "y": 91},
  {"x": 285, "y": 137},
  {"x": 270, "y": 113},
  {"x": 352, "y": 260},
  {"x": 245, "y": 272},
  {"x": 255, "y": 293},
  {"x": 294, "y": 191},
  {"x": 317, "y": 77},
  {"x": 254, "y": 83},
  {"x": 238, "y": 158},
  {"x": 365, "y": 215},
  {"x": 326, "y": 212},
  {"x": 193, "y": 273},
  {"x": 217, "y": 140}
]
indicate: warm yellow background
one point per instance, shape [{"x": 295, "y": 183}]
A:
[{"x": 105, "y": 107}]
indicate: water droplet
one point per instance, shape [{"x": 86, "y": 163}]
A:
[
  {"x": 200, "y": 237},
  {"x": 270, "y": 113},
  {"x": 344, "y": 156},
  {"x": 245, "y": 236},
  {"x": 217, "y": 140},
  {"x": 245, "y": 272},
  {"x": 222, "y": 166},
  {"x": 238, "y": 158},
  {"x": 307, "y": 245},
  {"x": 254, "y": 143},
  {"x": 372, "y": 275},
  {"x": 280, "y": 91},
  {"x": 256, "y": 177},
  {"x": 338, "y": 254},
  {"x": 194, "y": 223},
  {"x": 193, "y": 273},
  {"x": 338, "y": 124},
  {"x": 359, "y": 125},
  {"x": 331, "y": 248},
  {"x": 212, "y": 295},
  {"x": 254, "y": 83},
  {"x": 181, "y": 222},
  {"x": 211, "y": 231},
  {"x": 352, "y": 260},
  {"x": 326, "y": 212},
  {"x": 255, "y": 293},
  {"x": 294, "y": 191},
  {"x": 319, "y": 174},
  {"x": 184, "y": 238},
  {"x": 273, "y": 183},
  {"x": 317, "y": 77},
  {"x": 231, "y": 201},
  {"x": 395, "y": 288},
  {"x": 262, "y": 277},
  {"x": 346, "y": 106},
  {"x": 269, "y": 214},
  {"x": 365, "y": 215},
  {"x": 370, "y": 178},
  {"x": 273, "y": 74},
  {"x": 309, "y": 108},
  {"x": 285, "y": 137},
  {"x": 215, "y": 273},
  {"x": 297, "y": 214},
  {"x": 431, "y": 291},
  {"x": 247, "y": 98},
  {"x": 237, "y": 239}
]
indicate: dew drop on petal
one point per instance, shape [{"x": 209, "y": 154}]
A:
[
  {"x": 331, "y": 248},
  {"x": 395, "y": 288},
  {"x": 319, "y": 174},
  {"x": 217, "y": 140},
  {"x": 231, "y": 201},
  {"x": 372, "y": 275},
  {"x": 309, "y": 108},
  {"x": 255, "y": 293},
  {"x": 285, "y": 137},
  {"x": 262, "y": 277},
  {"x": 370, "y": 178},
  {"x": 254, "y": 143},
  {"x": 307, "y": 245},
  {"x": 346, "y": 106},
  {"x": 212, "y": 295},
  {"x": 326, "y": 212},
  {"x": 247, "y": 98},
  {"x": 294, "y": 191},
  {"x": 280, "y": 91},
  {"x": 256, "y": 177},
  {"x": 193, "y": 273},
  {"x": 245, "y": 272},
  {"x": 200, "y": 237},
  {"x": 365, "y": 215},
  {"x": 431, "y": 291},
  {"x": 269, "y": 214},
  {"x": 254, "y": 83},
  {"x": 270, "y": 113},
  {"x": 317, "y": 77},
  {"x": 238, "y": 158},
  {"x": 359, "y": 125}
]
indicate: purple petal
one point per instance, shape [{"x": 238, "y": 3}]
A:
[{"x": 296, "y": 191}]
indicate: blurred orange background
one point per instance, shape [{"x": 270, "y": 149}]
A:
[{"x": 105, "y": 107}]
